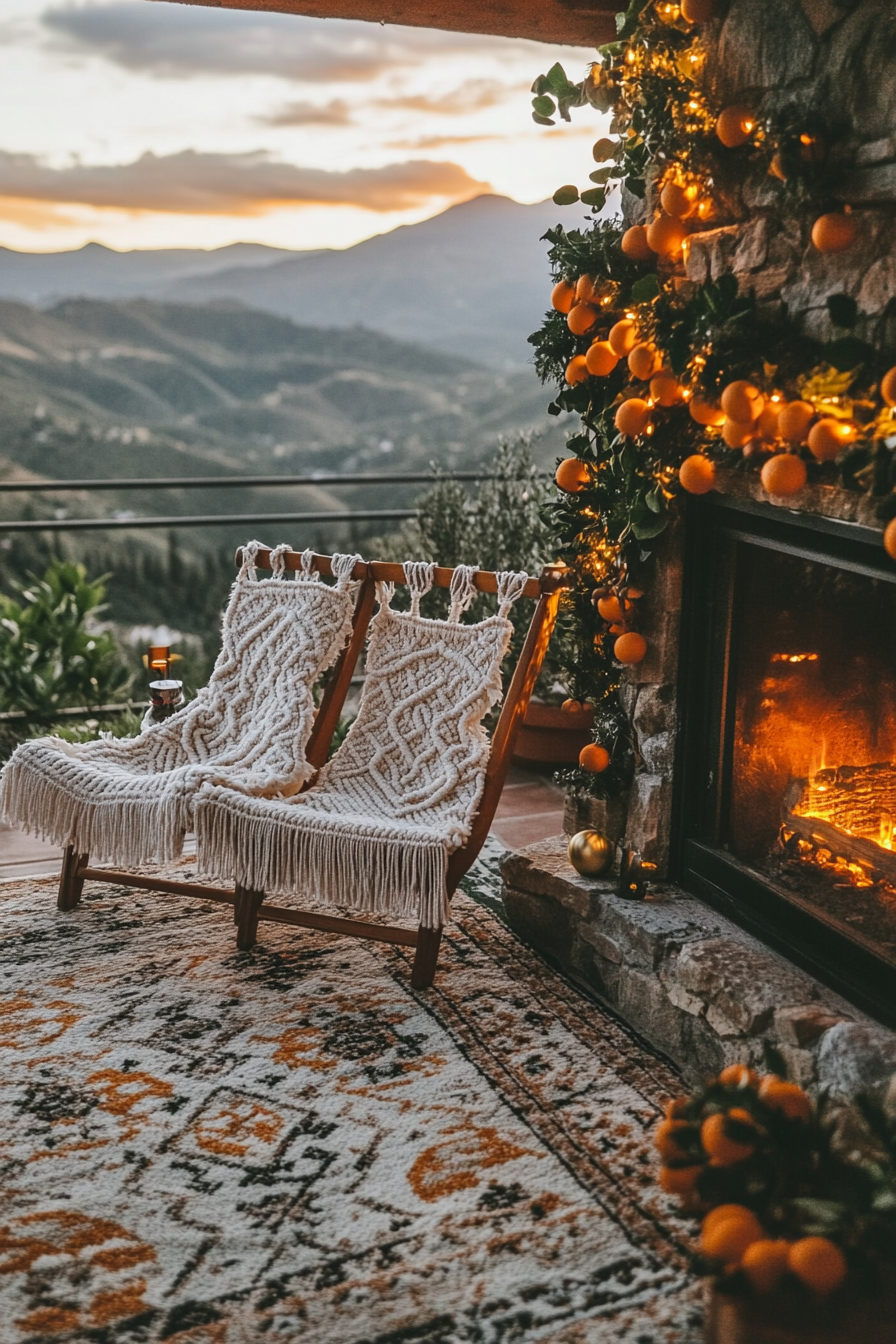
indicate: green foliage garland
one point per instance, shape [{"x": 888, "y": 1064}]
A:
[{"x": 665, "y": 129}]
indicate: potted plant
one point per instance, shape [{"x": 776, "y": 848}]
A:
[{"x": 797, "y": 1206}]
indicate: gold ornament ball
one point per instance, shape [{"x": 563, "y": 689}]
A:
[{"x": 591, "y": 853}]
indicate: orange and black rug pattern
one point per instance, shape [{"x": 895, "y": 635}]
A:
[{"x": 289, "y": 1144}]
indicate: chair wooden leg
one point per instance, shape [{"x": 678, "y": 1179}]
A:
[
  {"x": 70, "y": 885},
  {"x": 246, "y": 905},
  {"x": 426, "y": 957}
]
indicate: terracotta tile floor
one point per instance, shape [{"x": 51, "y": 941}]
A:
[{"x": 531, "y": 808}]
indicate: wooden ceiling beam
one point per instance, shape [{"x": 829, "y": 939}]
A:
[{"x": 584, "y": 23}]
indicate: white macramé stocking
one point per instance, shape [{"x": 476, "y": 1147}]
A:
[
  {"x": 376, "y": 828},
  {"x": 129, "y": 800}
]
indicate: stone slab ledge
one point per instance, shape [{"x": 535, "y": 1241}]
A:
[{"x": 691, "y": 982}]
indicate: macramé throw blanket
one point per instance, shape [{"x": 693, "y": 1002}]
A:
[
  {"x": 375, "y": 830},
  {"x": 130, "y": 800}
]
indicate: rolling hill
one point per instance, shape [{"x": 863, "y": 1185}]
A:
[
  {"x": 147, "y": 388},
  {"x": 471, "y": 282}
]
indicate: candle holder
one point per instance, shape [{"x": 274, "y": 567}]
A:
[
  {"x": 165, "y": 698},
  {"x": 632, "y": 877}
]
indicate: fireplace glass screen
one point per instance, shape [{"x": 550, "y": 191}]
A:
[{"x": 812, "y": 746}]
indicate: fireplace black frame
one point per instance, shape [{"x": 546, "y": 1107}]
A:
[{"x": 718, "y": 531}]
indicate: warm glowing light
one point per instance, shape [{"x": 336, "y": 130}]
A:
[{"x": 794, "y": 657}]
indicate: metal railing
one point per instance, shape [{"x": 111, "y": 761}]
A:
[{"x": 140, "y": 484}]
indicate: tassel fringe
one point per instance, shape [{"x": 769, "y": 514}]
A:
[{"x": 318, "y": 858}]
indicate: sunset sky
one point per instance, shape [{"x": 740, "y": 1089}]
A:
[{"x": 141, "y": 124}]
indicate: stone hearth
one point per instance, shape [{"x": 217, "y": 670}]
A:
[{"x": 690, "y": 981}]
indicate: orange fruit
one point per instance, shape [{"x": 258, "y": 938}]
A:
[
  {"x": 674, "y": 1109},
  {"x": 643, "y": 361},
  {"x": 726, "y": 1238},
  {"x": 665, "y": 236},
  {"x": 890, "y": 538},
  {"x": 719, "y": 1214},
  {"x": 576, "y": 370},
  {"x": 887, "y": 385},
  {"x": 767, "y": 424},
  {"x": 664, "y": 1139},
  {"x": 817, "y": 1263},
  {"x": 563, "y": 296},
  {"x": 635, "y": 245},
  {"x": 783, "y": 474},
  {"x": 786, "y": 1097},
  {"x": 665, "y": 388},
  {"x": 603, "y": 149},
  {"x": 571, "y": 707},
  {"x": 624, "y": 336},
  {"x": 738, "y": 1075},
  {"x": 705, "y": 412},
  {"x": 743, "y": 402},
  {"x": 828, "y": 437},
  {"x": 834, "y": 232},
  {"x": 594, "y": 758},
  {"x": 611, "y": 609},
  {"x": 697, "y": 474},
  {"x": 794, "y": 421},
  {"x": 630, "y": 648},
  {"x": 734, "y": 126},
  {"x": 601, "y": 359},
  {"x": 680, "y": 1181},
  {"x": 724, "y": 1151},
  {"x": 572, "y": 475},
  {"x": 632, "y": 417},
  {"x": 585, "y": 291},
  {"x": 697, "y": 11},
  {"x": 735, "y": 434},
  {"x": 581, "y": 319},
  {"x": 675, "y": 200},
  {"x": 765, "y": 1263}
]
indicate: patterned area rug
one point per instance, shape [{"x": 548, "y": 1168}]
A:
[{"x": 206, "y": 1146}]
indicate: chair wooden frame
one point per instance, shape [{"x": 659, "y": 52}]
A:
[{"x": 248, "y": 906}]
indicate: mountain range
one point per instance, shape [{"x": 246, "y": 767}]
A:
[{"x": 471, "y": 282}]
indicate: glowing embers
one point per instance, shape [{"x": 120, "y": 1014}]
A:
[
  {"x": 794, "y": 658},
  {"x": 848, "y": 813},
  {"x": 833, "y": 865}
]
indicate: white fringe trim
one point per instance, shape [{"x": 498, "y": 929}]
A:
[
  {"x": 36, "y": 794},
  {"x": 320, "y": 859}
]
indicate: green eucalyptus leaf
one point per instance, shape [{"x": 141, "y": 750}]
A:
[
  {"x": 595, "y": 197},
  {"x": 542, "y": 121},
  {"x": 646, "y": 289},
  {"x": 541, "y": 85},
  {"x": 565, "y": 195},
  {"x": 601, "y": 176},
  {"x": 655, "y": 501},
  {"x": 650, "y": 527},
  {"x": 544, "y": 106},
  {"x": 556, "y": 77},
  {"x": 637, "y": 187}
]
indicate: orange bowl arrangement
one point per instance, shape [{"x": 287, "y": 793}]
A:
[{"x": 796, "y": 1206}]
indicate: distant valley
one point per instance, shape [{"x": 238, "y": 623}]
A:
[{"x": 144, "y": 388}]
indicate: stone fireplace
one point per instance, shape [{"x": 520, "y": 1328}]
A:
[{"x": 764, "y": 794}]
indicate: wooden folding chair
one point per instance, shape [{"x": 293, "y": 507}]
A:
[{"x": 248, "y": 906}]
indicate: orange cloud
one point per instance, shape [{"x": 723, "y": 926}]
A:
[{"x": 192, "y": 182}]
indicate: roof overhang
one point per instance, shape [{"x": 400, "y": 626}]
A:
[{"x": 569, "y": 22}]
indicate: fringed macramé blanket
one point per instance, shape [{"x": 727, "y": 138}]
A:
[
  {"x": 130, "y": 800},
  {"x": 375, "y": 830}
]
